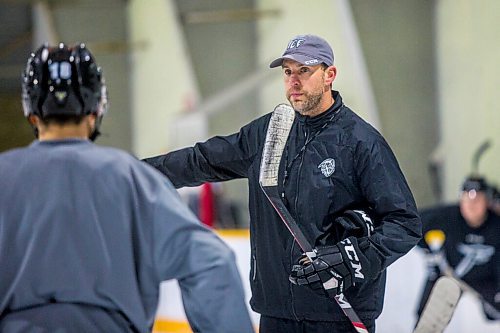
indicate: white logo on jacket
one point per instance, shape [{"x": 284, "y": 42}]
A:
[
  {"x": 327, "y": 167},
  {"x": 353, "y": 258}
]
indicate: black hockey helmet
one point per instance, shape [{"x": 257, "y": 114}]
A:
[
  {"x": 495, "y": 194},
  {"x": 64, "y": 81},
  {"x": 475, "y": 183}
]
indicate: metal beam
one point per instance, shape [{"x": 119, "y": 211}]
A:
[{"x": 222, "y": 16}]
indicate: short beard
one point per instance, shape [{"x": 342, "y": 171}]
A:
[{"x": 309, "y": 105}]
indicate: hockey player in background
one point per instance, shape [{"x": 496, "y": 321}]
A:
[
  {"x": 87, "y": 233},
  {"x": 465, "y": 238}
]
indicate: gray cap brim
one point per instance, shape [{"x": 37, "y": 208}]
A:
[{"x": 304, "y": 60}]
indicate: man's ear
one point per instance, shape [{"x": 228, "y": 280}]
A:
[
  {"x": 92, "y": 119},
  {"x": 330, "y": 75},
  {"x": 33, "y": 120}
]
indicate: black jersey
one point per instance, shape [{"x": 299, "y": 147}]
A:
[{"x": 473, "y": 253}]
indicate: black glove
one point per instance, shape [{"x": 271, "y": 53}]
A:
[
  {"x": 333, "y": 270},
  {"x": 351, "y": 223},
  {"x": 355, "y": 223},
  {"x": 433, "y": 262},
  {"x": 492, "y": 309}
]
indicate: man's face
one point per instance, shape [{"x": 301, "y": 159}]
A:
[
  {"x": 308, "y": 87},
  {"x": 473, "y": 206}
]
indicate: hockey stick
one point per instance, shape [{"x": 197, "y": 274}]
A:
[
  {"x": 478, "y": 154},
  {"x": 435, "y": 240},
  {"x": 440, "y": 306},
  {"x": 276, "y": 137}
]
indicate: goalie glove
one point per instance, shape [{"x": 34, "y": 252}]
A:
[{"x": 333, "y": 270}]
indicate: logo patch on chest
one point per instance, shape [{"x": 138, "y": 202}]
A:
[{"x": 327, "y": 167}]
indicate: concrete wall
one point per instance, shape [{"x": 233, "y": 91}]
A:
[
  {"x": 397, "y": 38},
  {"x": 162, "y": 78},
  {"x": 467, "y": 53},
  {"x": 223, "y": 46},
  {"x": 102, "y": 25}
]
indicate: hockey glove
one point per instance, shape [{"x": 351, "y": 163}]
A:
[
  {"x": 492, "y": 310},
  {"x": 433, "y": 261},
  {"x": 335, "y": 269},
  {"x": 351, "y": 223},
  {"x": 354, "y": 223}
]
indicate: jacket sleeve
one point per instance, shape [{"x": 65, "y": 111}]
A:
[
  {"x": 397, "y": 224},
  {"x": 204, "y": 266},
  {"x": 217, "y": 159},
  {"x": 496, "y": 273}
]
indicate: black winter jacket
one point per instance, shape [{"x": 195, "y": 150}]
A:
[{"x": 335, "y": 161}]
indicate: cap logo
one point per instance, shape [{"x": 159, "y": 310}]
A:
[
  {"x": 311, "y": 62},
  {"x": 294, "y": 43}
]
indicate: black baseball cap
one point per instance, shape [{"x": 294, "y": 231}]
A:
[{"x": 309, "y": 50}]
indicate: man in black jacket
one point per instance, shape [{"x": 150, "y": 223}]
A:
[{"x": 336, "y": 172}]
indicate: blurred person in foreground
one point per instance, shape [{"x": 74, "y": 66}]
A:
[
  {"x": 464, "y": 238},
  {"x": 339, "y": 180},
  {"x": 87, "y": 233}
]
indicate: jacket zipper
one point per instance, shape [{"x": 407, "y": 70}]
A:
[
  {"x": 297, "y": 213},
  {"x": 298, "y": 176}
]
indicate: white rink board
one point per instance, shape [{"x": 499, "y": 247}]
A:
[
  {"x": 405, "y": 279},
  {"x": 170, "y": 305}
]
